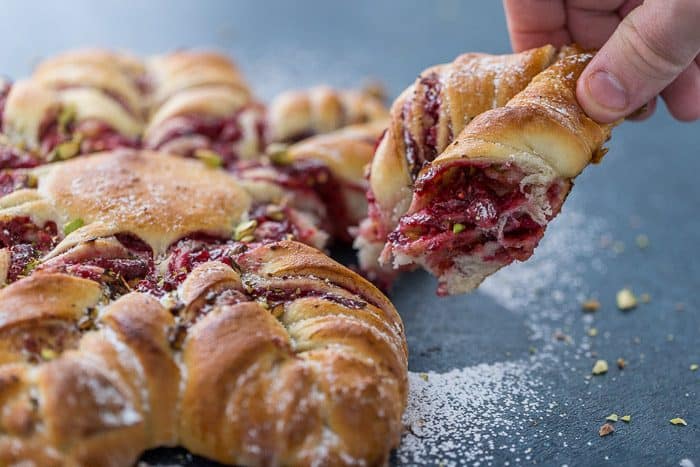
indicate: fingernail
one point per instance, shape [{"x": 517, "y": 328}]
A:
[{"x": 607, "y": 91}]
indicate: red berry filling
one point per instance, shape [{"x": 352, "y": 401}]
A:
[
  {"x": 26, "y": 241},
  {"x": 218, "y": 134},
  {"x": 474, "y": 209}
]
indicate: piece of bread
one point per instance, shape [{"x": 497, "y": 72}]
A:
[
  {"x": 424, "y": 120},
  {"x": 486, "y": 200},
  {"x": 150, "y": 303}
]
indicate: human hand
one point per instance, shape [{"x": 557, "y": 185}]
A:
[{"x": 646, "y": 48}]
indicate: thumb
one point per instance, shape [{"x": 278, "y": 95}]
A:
[{"x": 648, "y": 50}]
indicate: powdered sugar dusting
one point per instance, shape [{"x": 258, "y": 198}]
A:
[
  {"x": 469, "y": 415},
  {"x": 464, "y": 416}
]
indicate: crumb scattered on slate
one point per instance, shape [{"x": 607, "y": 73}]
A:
[{"x": 606, "y": 429}]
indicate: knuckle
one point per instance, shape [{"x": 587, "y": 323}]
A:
[{"x": 648, "y": 53}]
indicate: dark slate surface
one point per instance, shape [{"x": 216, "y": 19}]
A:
[{"x": 647, "y": 184}]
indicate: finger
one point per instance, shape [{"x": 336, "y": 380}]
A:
[
  {"x": 644, "y": 112},
  {"x": 628, "y": 6},
  {"x": 533, "y": 23},
  {"x": 682, "y": 96},
  {"x": 652, "y": 45},
  {"x": 591, "y": 28}
]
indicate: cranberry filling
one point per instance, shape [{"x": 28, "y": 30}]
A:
[
  {"x": 431, "y": 116},
  {"x": 14, "y": 158},
  {"x": 95, "y": 136},
  {"x": 277, "y": 296},
  {"x": 473, "y": 208},
  {"x": 417, "y": 156},
  {"x": 26, "y": 242},
  {"x": 136, "y": 267},
  {"x": 11, "y": 181},
  {"x": 220, "y": 133}
]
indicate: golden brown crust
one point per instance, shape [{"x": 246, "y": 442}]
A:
[
  {"x": 294, "y": 115},
  {"x": 544, "y": 119},
  {"x": 326, "y": 370},
  {"x": 291, "y": 359},
  {"x": 175, "y": 196},
  {"x": 175, "y": 72},
  {"x": 274, "y": 354}
]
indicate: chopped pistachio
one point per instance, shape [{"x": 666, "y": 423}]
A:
[
  {"x": 621, "y": 363},
  {"x": 678, "y": 421},
  {"x": 72, "y": 226},
  {"x": 278, "y": 154},
  {"x": 457, "y": 228},
  {"x": 244, "y": 229},
  {"x": 626, "y": 418},
  {"x": 590, "y": 305},
  {"x": 618, "y": 247},
  {"x": 642, "y": 241},
  {"x": 48, "y": 354},
  {"x": 645, "y": 298},
  {"x": 612, "y": 417},
  {"x": 694, "y": 367},
  {"x": 248, "y": 239},
  {"x": 66, "y": 117},
  {"x": 209, "y": 158},
  {"x": 423, "y": 376},
  {"x": 600, "y": 367},
  {"x": 592, "y": 332},
  {"x": 65, "y": 150},
  {"x": 30, "y": 266},
  {"x": 606, "y": 429},
  {"x": 626, "y": 299},
  {"x": 532, "y": 350}
]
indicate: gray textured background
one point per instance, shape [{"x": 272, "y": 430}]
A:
[{"x": 646, "y": 184}]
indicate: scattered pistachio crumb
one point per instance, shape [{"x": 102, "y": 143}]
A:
[
  {"x": 678, "y": 421},
  {"x": 613, "y": 417},
  {"x": 600, "y": 367},
  {"x": 621, "y": 363},
  {"x": 423, "y": 376},
  {"x": 210, "y": 158},
  {"x": 593, "y": 332},
  {"x": 606, "y": 429},
  {"x": 626, "y": 299},
  {"x": 590, "y": 305},
  {"x": 618, "y": 247},
  {"x": 626, "y": 418},
  {"x": 72, "y": 226},
  {"x": 645, "y": 298},
  {"x": 670, "y": 337},
  {"x": 48, "y": 354},
  {"x": 642, "y": 241},
  {"x": 532, "y": 350},
  {"x": 244, "y": 229},
  {"x": 457, "y": 228},
  {"x": 694, "y": 367}
]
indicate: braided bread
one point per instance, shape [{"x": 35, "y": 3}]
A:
[
  {"x": 424, "y": 120},
  {"x": 485, "y": 200},
  {"x": 140, "y": 282}
]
